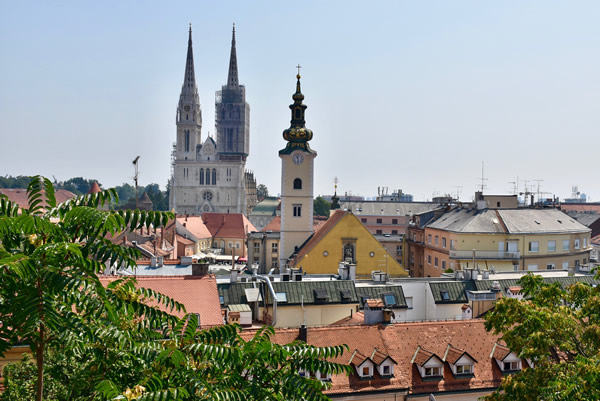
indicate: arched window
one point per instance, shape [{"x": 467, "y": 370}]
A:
[
  {"x": 207, "y": 176},
  {"x": 201, "y": 176},
  {"x": 297, "y": 183},
  {"x": 214, "y": 176}
]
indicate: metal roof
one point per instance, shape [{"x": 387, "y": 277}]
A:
[
  {"x": 523, "y": 221},
  {"x": 239, "y": 308},
  {"x": 297, "y": 292},
  {"x": 469, "y": 221},
  {"x": 377, "y": 291},
  {"x": 372, "y": 208}
]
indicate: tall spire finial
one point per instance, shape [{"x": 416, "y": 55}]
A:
[
  {"x": 189, "y": 91},
  {"x": 232, "y": 78},
  {"x": 297, "y": 135},
  {"x": 298, "y": 67}
]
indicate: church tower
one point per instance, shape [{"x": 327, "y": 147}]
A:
[
  {"x": 209, "y": 175},
  {"x": 297, "y": 171},
  {"x": 232, "y": 114}
]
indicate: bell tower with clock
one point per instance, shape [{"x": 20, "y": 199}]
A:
[{"x": 297, "y": 170}]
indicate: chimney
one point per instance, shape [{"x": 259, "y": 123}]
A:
[
  {"x": 199, "y": 269},
  {"x": 303, "y": 334}
]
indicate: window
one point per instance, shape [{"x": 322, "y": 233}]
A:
[
  {"x": 429, "y": 238},
  {"x": 532, "y": 267},
  {"x": 366, "y": 371},
  {"x": 221, "y": 299},
  {"x": 389, "y": 299},
  {"x": 463, "y": 369},
  {"x": 394, "y": 232},
  {"x": 207, "y": 196},
  {"x": 515, "y": 365},
  {"x": 435, "y": 371},
  {"x": 452, "y": 244},
  {"x": 399, "y": 250},
  {"x": 230, "y": 244},
  {"x": 435, "y": 262},
  {"x": 445, "y": 296},
  {"x": 274, "y": 247},
  {"x": 409, "y": 302},
  {"x": 585, "y": 243},
  {"x": 576, "y": 246},
  {"x": 394, "y": 221},
  {"x": 386, "y": 370},
  {"x": 565, "y": 265},
  {"x": 297, "y": 183},
  {"x": 207, "y": 176},
  {"x": 443, "y": 265},
  {"x": 550, "y": 266},
  {"x": 443, "y": 242},
  {"x": 257, "y": 247},
  {"x": 237, "y": 245},
  {"x": 187, "y": 140},
  {"x": 565, "y": 245},
  {"x": 201, "y": 176},
  {"x": 274, "y": 262},
  {"x": 297, "y": 210},
  {"x": 281, "y": 296},
  {"x": 437, "y": 240},
  {"x": 534, "y": 246},
  {"x": 363, "y": 220},
  {"x": 378, "y": 232},
  {"x": 428, "y": 259},
  {"x": 551, "y": 246},
  {"x": 379, "y": 221},
  {"x": 214, "y": 176}
]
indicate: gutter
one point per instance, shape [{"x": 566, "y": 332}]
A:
[{"x": 266, "y": 280}]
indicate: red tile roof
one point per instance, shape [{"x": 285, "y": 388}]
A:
[
  {"x": 356, "y": 318},
  {"x": 197, "y": 293},
  {"x": 195, "y": 225},
  {"x": 227, "y": 225},
  {"x": 400, "y": 341},
  {"x": 453, "y": 354},
  {"x": 500, "y": 352},
  {"x": 375, "y": 303},
  {"x": 95, "y": 188},
  {"x": 422, "y": 356},
  {"x": 274, "y": 225},
  {"x": 357, "y": 358},
  {"x": 19, "y": 196}
]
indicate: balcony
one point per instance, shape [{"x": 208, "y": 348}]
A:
[{"x": 482, "y": 255}]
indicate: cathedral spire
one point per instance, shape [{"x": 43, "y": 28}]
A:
[
  {"x": 232, "y": 79},
  {"x": 189, "y": 91}
]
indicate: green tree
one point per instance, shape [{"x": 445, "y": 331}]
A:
[
  {"x": 558, "y": 329},
  {"x": 49, "y": 260},
  {"x": 321, "y": 207},
  {"x": 91, "y": 342},
  {"x": 261, "y": 192}
]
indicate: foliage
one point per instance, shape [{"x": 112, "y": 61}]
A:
[
  {"x": 19, "y": 181},
  {"x": 261, "y": 192},
  {"x": 321, "y": 207},
  {"x": 559, "y": 330},
  {"x": 92, "y": 342}
]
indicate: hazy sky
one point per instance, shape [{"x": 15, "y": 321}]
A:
[{"x": 411, "y": 95}]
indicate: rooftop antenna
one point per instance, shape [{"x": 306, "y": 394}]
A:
[
  {"x": 483, "y": 179},
  {"x": 135, "y": 179},
  {"x": 538, "y": 188},
  {"x": 514, "y": 185},
  {"x": 458, "y": 191}
]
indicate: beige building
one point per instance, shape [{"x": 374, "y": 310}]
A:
[{"x": 504, "y": 240}]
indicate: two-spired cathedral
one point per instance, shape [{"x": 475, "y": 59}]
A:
[{"x": 210, "y": 175}]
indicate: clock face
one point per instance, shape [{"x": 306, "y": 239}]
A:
[
  {"x": 298, "y": 158},
  {"x": 186, "y": 107}
]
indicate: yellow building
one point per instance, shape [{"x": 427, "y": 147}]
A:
[
  {"x": 343, "y": 239},
  {"x": 505, "y": 240}
]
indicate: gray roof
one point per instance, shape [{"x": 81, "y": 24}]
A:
[
  {"x": 457, "y": 290},
  {"x": 587, "y": 219},
  {"x": 377, "y": 291},
  {"x": 537, "y": 221},
  {"x": 372, "y": 208},
  {"x": 469, "y": 221},
  {"x": 239, "y": 308},
  {"x": 297, "y": 292},
  {"x": 510, "y": 221}
]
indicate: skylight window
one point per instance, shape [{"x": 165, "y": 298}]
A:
[
  {"x": 281, "y": 297},
  {"x": 320, "y": 294},
  {"x": 345, "y": 295},
  {"x": 445, "y": 296},
  {"x": 389, "y": 299}
]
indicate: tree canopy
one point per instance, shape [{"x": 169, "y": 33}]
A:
[
  {"x": 558, "y": 330},
  {"x": 321, "y": 207},
  {"x": 92, "y": 342}
]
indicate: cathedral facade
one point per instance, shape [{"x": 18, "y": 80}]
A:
[{"x": 210, "y": 175}]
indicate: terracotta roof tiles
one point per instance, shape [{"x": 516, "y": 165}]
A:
[
  {"x": 197, "y": 293},
  {"x": 227, "y": 225}
]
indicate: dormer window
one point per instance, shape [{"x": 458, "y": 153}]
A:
[
  {"x": 507, "y": 360},
  {"x": 433, "y": 371},
  {"x": 464, "y": 369},
  {"x": 461, "y": 363}
]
